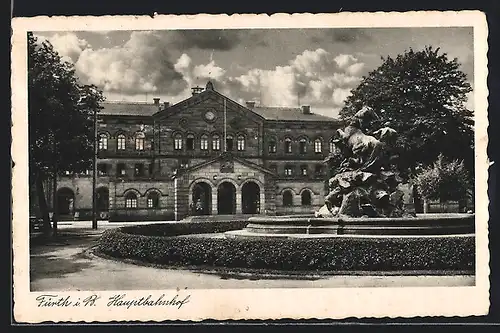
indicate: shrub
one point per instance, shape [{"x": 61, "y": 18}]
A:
[
  {"x": 329, "y": 254},
  {"x": 444, "y": 181}
]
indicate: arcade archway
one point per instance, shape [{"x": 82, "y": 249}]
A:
[
  {"x": 102, "y": 196},
  {"x": 201, "y": 199},
  {"x": 226, "y": 199},
  {"x": 250, "y": 198},
  {"x": 65, "y": 201}
]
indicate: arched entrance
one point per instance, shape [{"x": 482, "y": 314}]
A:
[
  {"x": 226, "y": 199},
  {"x": 102, "y": 200},
  {"x": 201, "y": 199},
  {"x": 65, "y": 201},
  {"x": 250, "y": 198}
]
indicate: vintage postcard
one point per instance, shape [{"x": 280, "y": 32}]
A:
[{"x": 250, "y": 166}]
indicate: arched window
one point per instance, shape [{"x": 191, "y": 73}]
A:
[
  {"x": 318, "y": 146},
  {"x": 229, "y": 142},
  {"x": 153, "y": 200},
  {"x": 305, "y": 198},
  {"x": 240, "y": 142},
  {"x": 333, "y": 148},
  {"x": 139, "y": 141},
  {"x": 120, "y": 142},
  {"x": 303, "y": 146},
  {"x": 287, "y": 198},
  {"x": 103, "y": 141},
  {"x": 204, "y": 142},
  {"x": 216, "y": 142},
  {"x": 131, "y": 200},
  {"x": 272, "y": 146},
  {"x": 190, "y": 142},
  {"x": 288, "y": 145},
  {"x": 178, "y": 141}
]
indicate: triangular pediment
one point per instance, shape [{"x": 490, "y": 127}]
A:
[{"x": 227, "y": 163}]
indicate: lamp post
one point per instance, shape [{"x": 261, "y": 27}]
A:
[{"x": 94, "y": 174}]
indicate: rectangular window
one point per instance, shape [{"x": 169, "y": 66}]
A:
[
  {"x": 229, "y": 144},
  {"x": 204, "y": 144},
  {"x": 139, "y": 169},
  {"x": 121, "y": 142},
  {"x": 102, "y": 169},
  {"x": 139, "y": 144},
  {"x": 317, "y": 146},
  {"x": 120, "y": 169},
  {"x": 184, "y": 164},
  {"x": 150, "y": 203},
  {"x": 216, "y": 143},
  {"x": 241, "y": 143},
  {"x": 131, "y": 203},
  {"x": 318, "y": 170},
  {"x": 303, "y": 170},
  {"x": 272, "y": 147},
  {"x": 103, "y": 142},
  {"x": 190, "y": 143},
  {"x": 288, "y": 171},
  {"x": 178, "y": 143}
]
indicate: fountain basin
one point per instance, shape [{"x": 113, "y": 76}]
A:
[{"x": 310, "y": 226}]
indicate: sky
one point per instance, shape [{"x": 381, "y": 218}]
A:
[{"x": 273, "y": 67}]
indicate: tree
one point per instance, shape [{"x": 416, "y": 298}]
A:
[
  {"x": 444, "y": 181},
  {"x": 60, "y": 119},
  {"x": 422, "y": 95}
]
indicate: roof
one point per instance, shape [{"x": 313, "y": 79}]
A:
[
  {"x": 287, "y": 113},
  {"x": 128, "y": 109}
]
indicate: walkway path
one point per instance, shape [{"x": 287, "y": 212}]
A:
[{"x": 65, "y": 265}]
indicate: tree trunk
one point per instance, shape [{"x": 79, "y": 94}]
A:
[
  {"x": 54, "y": 204},
  {"x": 417, "y": 201},
  {"x": 42, "y": 204}
]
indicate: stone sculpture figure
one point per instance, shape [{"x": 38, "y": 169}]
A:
[{"x": 365, "y": 182}]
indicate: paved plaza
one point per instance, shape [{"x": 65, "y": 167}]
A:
[{"x": 68, "y": 265}]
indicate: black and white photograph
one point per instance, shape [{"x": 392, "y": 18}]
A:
[{"x": 161, "y": 164}]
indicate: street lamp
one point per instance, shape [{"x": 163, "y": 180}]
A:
[{"x": 94, "y": 174}]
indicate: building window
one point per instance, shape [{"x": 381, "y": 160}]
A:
[
  {"x": 153, "y": 200},
  {"x": 317, "y": 146},
  {"x": 139, "y": 141},
  {"x": 204, "y": 142},
  {"x": 103, "y": 141},
  {"x": 288, "y": 145},
  {"x": 178, "y": 142},
  {"x": 305, "y": 198},
  {"x": 216, "y": 142},
  {"x": 184, "y": 164},
  {"x": 273, "y": 168},
  {"x": 190, "y": 142},
  {"x": 303, "y": 146},
  {"x": 318, "y": 170},
  {"x": 120, "y": 169},
  {"x": 333, "y": 147},
  {"x": 288, "y": 170},
  {"x": 139, "y": 169},
  {"x": 229, "y": 143},
  {"x": 131, "y": 200},
  {"x": 151, "y": 168},
  {"x": 102, "y": 169},
  {"x": 287, "y": 198},
  {"x": 120, "y": 142},
  {"x": 303, "y": 170},
  {"x": 272, "y": 146},
  {"x": 241, "y": 142}
]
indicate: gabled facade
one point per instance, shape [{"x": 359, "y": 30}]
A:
[{"x": 204, "y": 155}]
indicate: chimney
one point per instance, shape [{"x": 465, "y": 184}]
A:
[
  {"x": 156, "y": 101},
  {"x": 166, "y": 105},
  {"x": 196, "y": 90},
  {"x": 250, "y": 104},
  {"x": 306, "y": 109}
]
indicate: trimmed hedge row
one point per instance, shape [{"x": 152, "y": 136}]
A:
[
  {"x": 333, "y": 254},
  {"x": 184, "y": 228}
]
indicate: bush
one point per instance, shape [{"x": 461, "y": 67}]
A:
[
  {"x": 183, "y": 228},
  {"x": 444, "y": 181},
  {"x": 333, "y": 254}
]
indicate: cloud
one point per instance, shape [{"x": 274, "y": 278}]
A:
[
  {"x": 68, "y": 45},
  {"x": 142, "y": 65},
  {"x": 314, "y": 77},
  {"x": 222, "y": 40}
]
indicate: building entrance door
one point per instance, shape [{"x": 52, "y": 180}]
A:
[
  {"x": 226, "y": 199},
  {"x": 202, "y": 199},
  {"x": 250, "y": 198}
]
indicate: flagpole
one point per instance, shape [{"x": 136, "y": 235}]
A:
[{"x": 225, "y": 130}]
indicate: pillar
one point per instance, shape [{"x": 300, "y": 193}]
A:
[
  {"x": 214, "y": 201},
  {"x": 238, "y": 200}
]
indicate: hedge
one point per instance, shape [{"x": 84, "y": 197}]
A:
[{"x": 328, "y": 254}]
